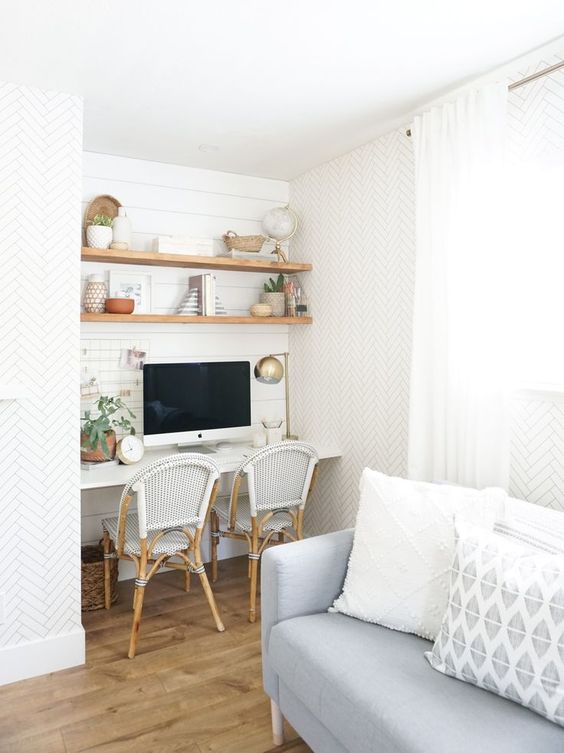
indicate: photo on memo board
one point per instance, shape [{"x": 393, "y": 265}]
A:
[{"x": 130, "y": 285}]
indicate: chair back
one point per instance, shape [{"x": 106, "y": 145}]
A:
[
  {"x": 279, "y": 476},
  {"x": 173, "y": 492}
]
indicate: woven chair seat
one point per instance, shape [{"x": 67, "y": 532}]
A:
[
  {"x": 278, "y": 522},
  {"x": 170, "y": 543}
]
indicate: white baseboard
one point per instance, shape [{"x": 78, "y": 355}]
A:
[{"x": 42, "y": 656}]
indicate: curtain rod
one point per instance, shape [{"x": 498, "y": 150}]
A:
[{"x": 526, "y": 80}]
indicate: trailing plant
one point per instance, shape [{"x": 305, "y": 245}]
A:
[
  {"x": 96, "y": 428},
  {"x": 274, "y": 286},
  {"x": 102, "y": 219}
]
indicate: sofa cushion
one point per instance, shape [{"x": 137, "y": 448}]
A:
[
  {"x": 399, "y": 567},
  {"x": 503, "y": 629},
  {"x": 374, "y": 691}
]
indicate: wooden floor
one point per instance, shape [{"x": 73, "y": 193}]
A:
[{"x": 190, "y": 689}]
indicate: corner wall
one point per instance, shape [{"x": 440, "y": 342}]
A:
[
  {"x": 40, "y": 186},
  {"x": 350, "y": 369}
]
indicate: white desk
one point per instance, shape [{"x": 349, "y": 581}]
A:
[{"x": 228, "y": 461}]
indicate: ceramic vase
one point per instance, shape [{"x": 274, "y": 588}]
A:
[
  {"x": 276, "y": 300},
  {"x": 95, "y": 294},
  {"x": 121, "y": 230},
  {"x": 98, "y": 236}
]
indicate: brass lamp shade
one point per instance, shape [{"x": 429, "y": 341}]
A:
[{"x": 269, "y": 370}]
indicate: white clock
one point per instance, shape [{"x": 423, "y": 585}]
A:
[{"x": 130, "y": 449}]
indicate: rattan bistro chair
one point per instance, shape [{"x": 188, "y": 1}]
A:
[
  {"x": 174, "y": 496},
  {"x": 280, "y": 479}
]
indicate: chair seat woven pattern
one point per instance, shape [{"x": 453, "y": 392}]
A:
[
  {"x": 278, "y": 522},
  {"x": 170, "y": 543}
]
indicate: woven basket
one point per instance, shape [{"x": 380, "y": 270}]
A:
[
  {"x": 92, "y": 566},
  {"x": 235, "y": 242}
]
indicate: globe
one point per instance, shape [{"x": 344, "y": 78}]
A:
[{"x": 279, "y": 223}]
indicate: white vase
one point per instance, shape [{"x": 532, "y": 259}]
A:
[
  {"x": 121, "y": 229},
  {"x": 95, "y": 294},
  {"x": 98, "y": 236}
]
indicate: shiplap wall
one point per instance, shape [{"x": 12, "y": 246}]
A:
[{"x": 164, "y": 199}]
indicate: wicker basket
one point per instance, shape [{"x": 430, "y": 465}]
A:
[
  {"x": 251, "y": 243},
  {"x": 92, "y": 566}
]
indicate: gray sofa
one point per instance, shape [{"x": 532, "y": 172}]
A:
[{"x": 348, "y": 686}]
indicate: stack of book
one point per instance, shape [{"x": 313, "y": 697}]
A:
[
  {"x": 253, "y": 255},
  {"x": 200, "y": 298}
]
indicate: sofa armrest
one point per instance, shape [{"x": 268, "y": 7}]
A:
[{"x": 300, "y": 578}]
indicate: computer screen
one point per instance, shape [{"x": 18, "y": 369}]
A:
[{"x": 183, "y": 398}]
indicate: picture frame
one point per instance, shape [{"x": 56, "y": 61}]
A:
[{"x": 132, "y": 285}]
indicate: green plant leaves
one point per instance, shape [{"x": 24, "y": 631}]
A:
[{"x": 96, "y": 428}]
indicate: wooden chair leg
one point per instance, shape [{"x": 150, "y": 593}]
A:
[
  {"x": 214, "y": 533},
  {"x": 107, "y": 571},
  {"x": 300, "y": 529},
  {"x": 138, "y": 601},
  {"x": 277, "y": 724},
  {"x": 254, "y": 560},
  {"x": 187, "y": 580},
  {"x": 210, "y": 597}
]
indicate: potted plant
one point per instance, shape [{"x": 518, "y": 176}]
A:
[
  {"x": 98, "y": 436},
  {"x": 99, "y": 232},
  {"x": 274, "y": 295}
]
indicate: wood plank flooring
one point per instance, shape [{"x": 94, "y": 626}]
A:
[{"x": 190, "y": 689}]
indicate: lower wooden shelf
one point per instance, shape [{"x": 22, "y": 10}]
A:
[{"x": 177, "y": 319}]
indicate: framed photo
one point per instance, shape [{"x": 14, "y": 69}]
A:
[{"x": 131, "y": 285}]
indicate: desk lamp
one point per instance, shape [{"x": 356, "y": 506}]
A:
[{"x": 269, "y": 370}]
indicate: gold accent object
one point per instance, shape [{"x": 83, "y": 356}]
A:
[{"x": 269, "y": 370}]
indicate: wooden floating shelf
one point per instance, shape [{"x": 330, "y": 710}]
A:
[
  {"x": 177, "y": 319},
  {"x": 226, "y": 263}
]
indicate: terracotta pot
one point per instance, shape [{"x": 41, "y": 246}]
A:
[
  {"x": 120, "y": 305},
  {"x": 97, "y": 455}
]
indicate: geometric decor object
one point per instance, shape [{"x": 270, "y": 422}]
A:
[{"x": 190, "y": 305}]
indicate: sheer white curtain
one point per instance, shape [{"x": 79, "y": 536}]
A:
[{"x": 458, "y": 428}]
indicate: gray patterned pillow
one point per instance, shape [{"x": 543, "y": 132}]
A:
[{"x": 504, "y": 626}]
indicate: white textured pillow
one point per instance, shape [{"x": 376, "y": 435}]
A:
[
  {"x": 504, "y": 627},
  {"x": 398, "y": 572},
  {"x": 532, "y": 525}
]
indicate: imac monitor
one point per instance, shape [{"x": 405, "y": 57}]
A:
[{"x": 195, "y": 402}]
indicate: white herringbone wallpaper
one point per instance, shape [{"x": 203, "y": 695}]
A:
[
  {"x": 40, "y": 184},
  {"x": 350, "y": 369}
]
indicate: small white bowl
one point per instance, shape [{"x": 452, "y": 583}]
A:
[{"x": 261, "y": 309}]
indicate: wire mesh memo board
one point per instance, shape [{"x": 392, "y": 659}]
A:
[{"x": 102, "y": 374}]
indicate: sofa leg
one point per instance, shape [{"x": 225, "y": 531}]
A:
[{"x": 277, "y": 724}]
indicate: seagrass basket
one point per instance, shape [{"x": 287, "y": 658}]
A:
[
  {"x": 92, "y": 582},
  {"x": 249, "y": 243}
]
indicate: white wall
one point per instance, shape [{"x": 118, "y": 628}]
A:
[
  {"x": 352, "y": 365},
  {"x": 40, "y": 173},
  {"x": 165, "y": 199}
]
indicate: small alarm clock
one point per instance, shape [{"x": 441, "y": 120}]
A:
[{"x": 130, "y": 449}]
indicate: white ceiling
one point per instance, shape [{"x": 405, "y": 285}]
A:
[{"x": 278, "y": 87}]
